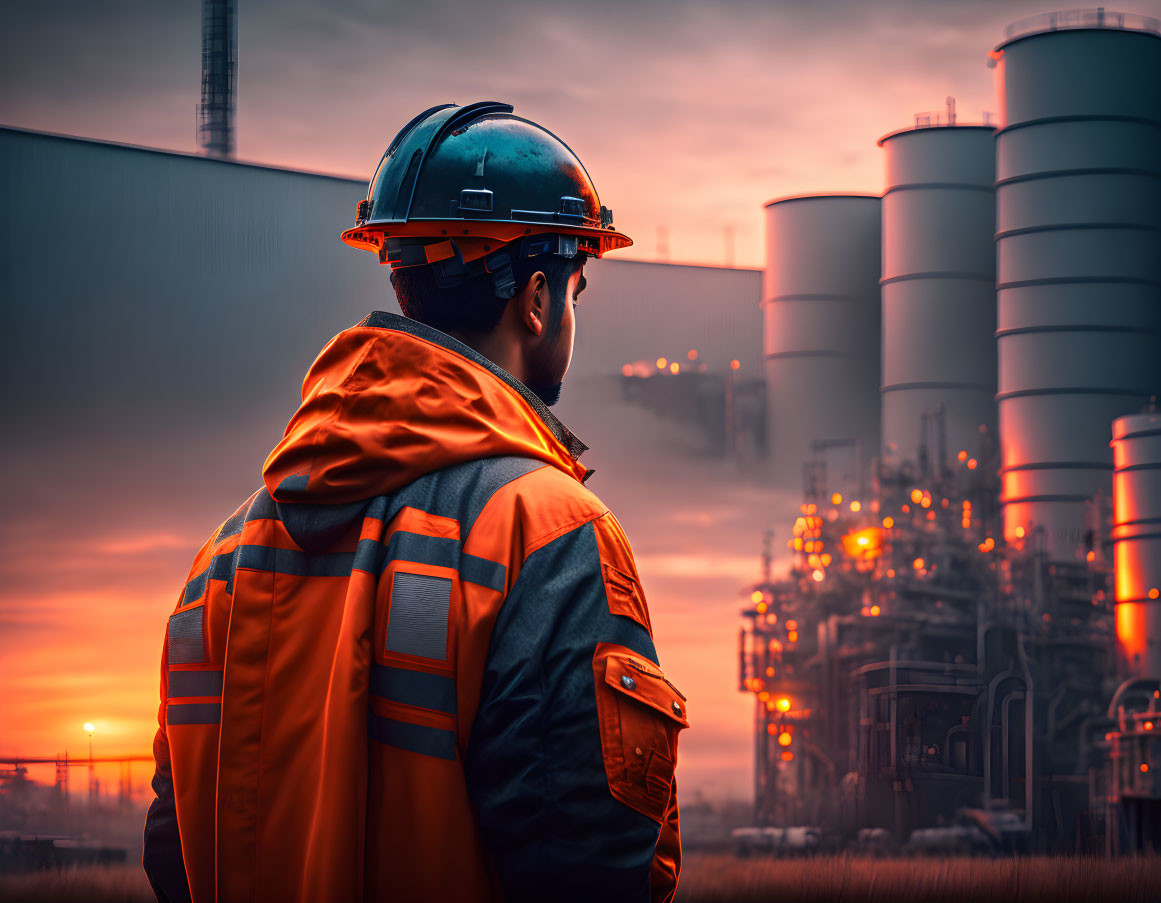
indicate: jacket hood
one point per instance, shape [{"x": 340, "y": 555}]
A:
[{"x": 390, "y": 400}]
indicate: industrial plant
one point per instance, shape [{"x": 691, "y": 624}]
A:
[{"x": 965, "y": 653}]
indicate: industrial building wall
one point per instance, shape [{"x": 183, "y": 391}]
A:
[{"x": 125, "y": 270}]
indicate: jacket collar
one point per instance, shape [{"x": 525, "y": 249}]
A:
[{"x": 384, "y": 320}]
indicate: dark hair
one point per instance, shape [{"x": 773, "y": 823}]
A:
[{"x": 472, "y": 307}]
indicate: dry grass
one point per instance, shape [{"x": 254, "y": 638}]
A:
[
  {"x": 89, "y": 883},
  {"x": 720, "y": 877}
]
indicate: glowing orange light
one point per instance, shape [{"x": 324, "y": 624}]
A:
[
  {"x": 771, "y": 729},
  {"x": 916, "y": 495},
  {"x": 1046, "y": 617},
  {"x": 967, "y": 503},
  {"x": 1090, "y": 555},
  {"x": 962, "y": 454},
  {"x": 763, "y": 696},
  {"x": 906, "y": 509},
  {"x": 769, "y": 672},
  {"x": 875, "y": 610},
  {"x": 888, "y": 522},
  {"x": 836, "y": 499},
  {"x": 675, "y": 367},
  {"x": 787, "y": 756},
  {"x": 890, "y": 573},
  {"x": 926, "y": 501},
  {"x": 812, "y": 509},
  {"x": 972, "y": 463},
  {"x": 626, "y": 369},
  {"x": 735, "y": 364},
  {"x": 662, "y": 363},
  {"x": 756, "y": 596},
  {"x": 856, "y": 506},
  {"x": 1153, "y": 593},
  {"x": 931, "y": 515},
  {"x": 784, "y": 739},
  {"x": 826, "y": 559},
  {"x": 761, "y": 607},
  {"x": 1144, "y": 765},
  {"x": 783, "y": 704},
  {"x": 692, "y": 354},
  {"x": 1148, "y": 725},
  {"x": 866, "y": 543},
  {"x": 818, "y": 576},
  {"x": 918, "y": 564},
  {"x": 791, "y": 625},
  {"x": 865, "y": 611},
  {"x": 792, "y": 636},
  {"x": 1020, "y": 532},
  {"x": 798, "y": 545}
]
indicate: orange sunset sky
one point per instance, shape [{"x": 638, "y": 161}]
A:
[{"x": 688, "y": 115}]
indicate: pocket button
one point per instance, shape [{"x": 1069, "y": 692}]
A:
[{"x": 628, "y": 682}]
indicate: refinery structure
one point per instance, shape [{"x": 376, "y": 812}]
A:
[{"x": 966, "y": 650}]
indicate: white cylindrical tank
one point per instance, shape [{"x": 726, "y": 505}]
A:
[
  {"x": 938, "y": 286},
  {"x": 820, "y": 301},
  {"x": 1137, "y": 540},
  {"x": 1078, "y": 241}
]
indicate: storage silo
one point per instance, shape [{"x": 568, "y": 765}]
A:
[
  {"x": 938, "y": 285},
  {"x": 1137, "y": 540},
  {"x": 820, "y": 300},
  {"x": 1078, "y": 194}
]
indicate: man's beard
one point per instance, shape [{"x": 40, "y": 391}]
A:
[{"x": 549, "y": 393}]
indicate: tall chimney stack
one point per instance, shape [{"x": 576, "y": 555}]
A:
[{"x": 219, "y": 81}]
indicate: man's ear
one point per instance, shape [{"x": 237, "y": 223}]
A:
[{"x": 534, "y": 303}]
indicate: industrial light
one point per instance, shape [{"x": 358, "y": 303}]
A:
[
  {"x": 888, "y": 522},
  {"x": 735, "y": 364},
  {"x": 662, "y": 363},
  {"x": 756, "y": 596},
  {"x": 972, "y": 463},
  {"x": 787, "y": 756},
  {"x": 761, "y": 608},
  {"x": 1144, "y": 765},
  {"x": 916, "y": 495},
  {"x": 875, "y": 611},
  {"x": 836, "y": 499},
  {"x": 784, "y": 739},
  {"x": 675, "y": 367},
  {"x": 856, "y": 506},
  {"x": 1154, "y": 593},
  {"x": 89, "y": 727},
  {"x": 818, "y": 576},
  {"x": 1148, "y": 725},
  {"x": 962, "y": 454},
  {"x": 1019, "y": 532},
  {"x": 626, "y": 369},
  {"x": 783, "y": 704},
  {"x": 692, "y": 354},
  {"x": 918, "y": 564},
  {"x": 791, "y": 625},
  {"x": 792, "y": 636}
]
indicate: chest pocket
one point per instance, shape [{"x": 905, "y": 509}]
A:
[{"x": 640, "y": 714}]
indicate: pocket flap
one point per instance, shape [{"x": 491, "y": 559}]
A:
[{"x": 640, "y": 679}]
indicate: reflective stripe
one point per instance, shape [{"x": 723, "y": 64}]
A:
[
  {"x": 417, "y": 738},
  {"x": 298, "y": 564},
  {"x": 185, "y": 637},
  {"x": 195, "y": 589},
  {"x": 195, "y": 683},
  {"x": 441, "y": 552},
  {"x": 483, "y": 572},
  {"x": 234, "y": 525},
  {"x": 417, "y": 621},
  {"x": 194, "y": 713},
  {"x": 418, "y": 688}
]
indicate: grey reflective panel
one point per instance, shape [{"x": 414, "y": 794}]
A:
[
  {"x": 417, "y": 688},
  {"x": 298, "y": 564},
  {"x": 195, "y": 683},
  {"x": 418, "y": 738},
  {"x": 417, "y": 622},
  {"x": 194, "y": 713},
  {"x": 185, "y": 637}
]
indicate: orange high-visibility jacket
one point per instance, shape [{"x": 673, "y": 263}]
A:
[{"x": 417, "y": 664}]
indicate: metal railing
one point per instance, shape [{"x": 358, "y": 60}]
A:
[
  {"x": 1082, "y": 18},
  {"x": 943, "y": 118}
]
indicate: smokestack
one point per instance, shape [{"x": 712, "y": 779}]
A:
[{"x": 219, "y": 82}]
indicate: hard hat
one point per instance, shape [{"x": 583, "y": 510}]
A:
[{"x": 470, "y": 190}]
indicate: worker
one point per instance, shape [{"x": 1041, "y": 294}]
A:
[{"x": 417, "y": 664}]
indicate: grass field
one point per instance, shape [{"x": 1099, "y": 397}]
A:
[{"x": 720, "y": 877}]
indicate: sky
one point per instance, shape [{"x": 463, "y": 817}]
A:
[{"x": 688, "y": 115}]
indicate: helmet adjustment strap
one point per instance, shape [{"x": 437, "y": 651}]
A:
[{"x": 447, "y": 261}]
